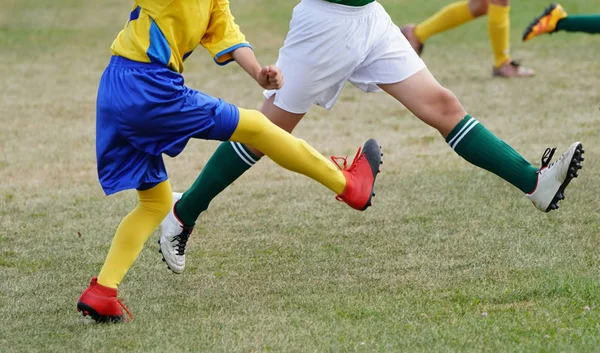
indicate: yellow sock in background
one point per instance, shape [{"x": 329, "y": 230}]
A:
[
  {"x": 499, "y": 31},
  {"x": 154, "y": 205},
  {"x": 449, "y": 17},
  {"x": 290, "y": 152}
]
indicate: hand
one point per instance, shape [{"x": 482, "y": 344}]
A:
[{"x": 270, "y": 77}]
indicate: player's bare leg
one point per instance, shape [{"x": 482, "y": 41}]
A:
[{"x": 439, "y": 108}]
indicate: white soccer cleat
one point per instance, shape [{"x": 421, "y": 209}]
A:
[
  {"x": 554, "y": 178},
  {"x": 173, "y": 239}
]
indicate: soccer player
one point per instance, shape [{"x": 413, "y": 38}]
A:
[
  {"x": 144, "y": 110},
  {"x": 461, "y": 12},
  {"x": 329, "y": 43},
  {"x": 555, "y": 19}
]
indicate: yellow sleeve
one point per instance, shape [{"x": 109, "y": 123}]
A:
[
  {"x": 153, "y": 7},
  {"x": 222, "y": 35}
]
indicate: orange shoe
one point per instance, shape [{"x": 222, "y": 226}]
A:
[
  {"x": 546, "y": 22},
  {"x": 360, "y": 176},
  {"x": 101, "y": 303}
]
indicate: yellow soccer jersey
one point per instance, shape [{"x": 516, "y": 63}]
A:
[{"x": 167, "y": 31}]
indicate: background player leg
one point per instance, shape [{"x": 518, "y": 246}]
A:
[
  {"x": 555, "y": 19},
  {"x": 445, "y": 19},
  {"x": 499, "y": 32}
]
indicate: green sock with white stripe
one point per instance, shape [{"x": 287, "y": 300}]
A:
[
  {"x": 472, "y": 141},
  {"x": 230, "y": 160}
]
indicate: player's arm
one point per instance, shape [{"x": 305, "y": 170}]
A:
[
  {"x": 268, "y": 77},
  {"x": 224, "y": 40}
]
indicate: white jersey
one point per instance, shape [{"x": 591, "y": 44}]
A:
[{"x": 329, "y": 44}]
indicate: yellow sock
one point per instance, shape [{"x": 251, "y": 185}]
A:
[
  {"x": 292, "y": 153},
  {"x": 449, "y": 17},
  {"x": 499, "y": 30},
  {"x": 154, "y": 204}
]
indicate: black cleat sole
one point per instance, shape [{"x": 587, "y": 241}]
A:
[
  {"x": 163, "y": 257},
  {"x": 372, "y": 151},
  {"x": 574, "y": 167},
  {"x": 87, "y": 310}
]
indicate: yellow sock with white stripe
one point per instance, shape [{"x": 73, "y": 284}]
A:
[
  {"x": 447, "y": 18},
  {"x": 472, "y": 141},
  {"x": 499, "y": 32},
  {"x": 154, "y": 205}
]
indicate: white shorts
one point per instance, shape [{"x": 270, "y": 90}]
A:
[{"x": 329, "y": 44}]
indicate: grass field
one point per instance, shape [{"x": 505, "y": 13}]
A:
[{"x": 449, "y": 259}]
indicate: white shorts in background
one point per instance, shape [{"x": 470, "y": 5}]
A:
[{"x": 329, "y": 44}]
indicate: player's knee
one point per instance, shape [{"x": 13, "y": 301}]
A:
[
  {"x": 252, "y": 124},
  {"x": 478, "y": 7},
  {"x": 449, "y": 106}
]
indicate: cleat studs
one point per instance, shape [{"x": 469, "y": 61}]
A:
[
  {"x": 164, "y": 259},
  {"x": 560, "y": 196},
  {"x": 582, "y": 158},
  {"x": 553, "y": 206},
  {"x": 373, "y": 195}
]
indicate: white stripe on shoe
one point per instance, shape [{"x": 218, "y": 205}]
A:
[{"x": 241, "y": 155}]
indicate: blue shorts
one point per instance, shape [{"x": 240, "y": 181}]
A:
[{"x": 144, "y": 110}]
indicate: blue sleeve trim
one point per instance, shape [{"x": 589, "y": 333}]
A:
[
  {"x": 135, "y": 14},
  {"x": 229, "y": 50}
]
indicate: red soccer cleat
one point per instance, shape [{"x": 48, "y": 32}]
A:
[
  {"x": 101, "y": 303},
  {"x": 360, "y": 176}
]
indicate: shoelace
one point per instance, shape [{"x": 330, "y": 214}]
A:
[
  {"x": 344, "y": 166},
  {"x": 182, "y": 239},
  {"x": 126, "y": 310},
  {"x": 547, "y": 157}
]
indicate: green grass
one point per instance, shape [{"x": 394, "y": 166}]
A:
[{"x": 449, "y": 259}]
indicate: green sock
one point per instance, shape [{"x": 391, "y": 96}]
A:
[
  {"x": 230, "y": 160},
  {"x": 472, "y": 141},
  {"x": 580, "y": 23}
]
